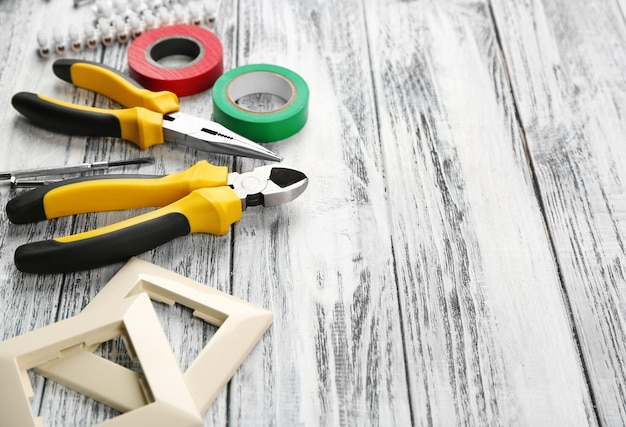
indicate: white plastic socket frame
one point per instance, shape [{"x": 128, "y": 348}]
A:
[
  {"x": 241, "y": 326},
  {"x": 135, "y": 320}
]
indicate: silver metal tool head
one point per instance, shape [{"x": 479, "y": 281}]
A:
[
  {"x": 206, "y": 135},
  {"x": 268, "y": 185}
]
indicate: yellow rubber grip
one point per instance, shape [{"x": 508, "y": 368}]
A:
[
  {"x": 117, "y": 87},
  {"x": 208, "y": 210},
  {"x": 97, "y": 195}
]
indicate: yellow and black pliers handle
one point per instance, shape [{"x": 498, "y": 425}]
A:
[
  {"x": 152, "y": 117},
  {"x": 141, "y": 122},
  {"x": 207, "y": 210},
  {"x": 112, "y": 192},
  {"x": 203, "y": 198},
  {"x": 195, "y": 200}
]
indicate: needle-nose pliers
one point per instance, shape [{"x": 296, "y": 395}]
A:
[
  {"x": 149, "y": 119},
  {"x": 204, "y": 198}
]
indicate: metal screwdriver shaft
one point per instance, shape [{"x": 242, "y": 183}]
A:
[{"x": 79, "y": 168}]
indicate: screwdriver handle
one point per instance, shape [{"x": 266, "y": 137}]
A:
[
  {"x": 109, "y": 82},
  {"x": 137, "y": 124},
  {"x": 208, "y": 210},
  {"x": 112, "y": 192}
]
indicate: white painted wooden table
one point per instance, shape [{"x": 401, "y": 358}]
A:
[{"x": 459, "y": 256}]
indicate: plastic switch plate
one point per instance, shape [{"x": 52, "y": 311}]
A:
[
  {"x": 170, "y": 402},
  {"x": 241, "y": 326}
]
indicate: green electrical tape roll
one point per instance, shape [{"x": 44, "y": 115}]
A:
[{"x": 261, "y": 78}]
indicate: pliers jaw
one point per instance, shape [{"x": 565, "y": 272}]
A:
[
  {"x": 206, "y": 135},
  {"x": 268, "y": 185}
]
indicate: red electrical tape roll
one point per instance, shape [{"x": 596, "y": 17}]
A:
[{"x": 185, "y": 40}]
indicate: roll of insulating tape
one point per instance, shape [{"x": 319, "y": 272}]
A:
[
  {"x": 261, "y": 78},
  {"x": 197, "y": 43}
]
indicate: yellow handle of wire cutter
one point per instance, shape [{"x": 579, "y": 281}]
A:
[
  {"x": 208, "y": 210},
  {"x": 112, "y": 192},
  {"x": 115, "y": 85}
]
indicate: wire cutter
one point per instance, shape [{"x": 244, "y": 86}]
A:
[
  {"x": 149, "y": 119},
  {"x": 204, "y": 198}
]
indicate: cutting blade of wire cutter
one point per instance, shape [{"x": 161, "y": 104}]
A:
[
  {"x": 204, "y": 198},
  {"x": 268, "y": 185},
  {"x": 150, "y": 118}
]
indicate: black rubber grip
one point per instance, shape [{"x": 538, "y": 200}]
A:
[
  {"x": 30, "y": 207},
  {"x": 62, "y": 68},
  {"x": 62, "y": 119},
  {"x": 51, "y": 256}
]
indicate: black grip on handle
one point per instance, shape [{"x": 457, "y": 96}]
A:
[
  {"x": 51, "y": 256},
  {"x": 30, "y": 207},
  {"x": 68, "y": 120},
  {"x": 62, "y": 68}
]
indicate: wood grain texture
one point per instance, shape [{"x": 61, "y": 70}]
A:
[
  {"x": 567, "y": 76},
  {"x": 26, "y": 302},
  {"x": 458, "y": 256},
  {"x": 323, "y": 264},
  {"x": 487, "y": 334},
  {"x": 205, "y": 258}
]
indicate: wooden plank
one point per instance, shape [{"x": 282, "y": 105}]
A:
[
  {"x": 566, "y": 61},
  {"x": 322, "y": 263},
  {"x": 203, "y": 258},
  {"x": 413, "y": 282},
  {"x": 27, "y": 302},
  {"x": 487, "y": 334}
]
